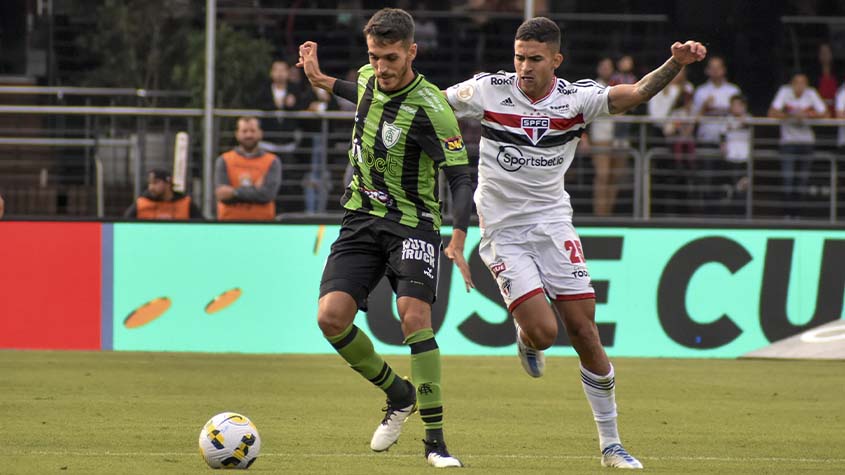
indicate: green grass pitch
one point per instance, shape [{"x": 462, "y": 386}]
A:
[{"x": 78, "y": 412}]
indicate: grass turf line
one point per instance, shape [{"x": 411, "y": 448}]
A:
[{"x": 142, "y": 412}]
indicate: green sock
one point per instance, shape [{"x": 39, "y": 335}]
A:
[
  {"x": 425, "y": 372},
  {"x": 357, "y": 349}
]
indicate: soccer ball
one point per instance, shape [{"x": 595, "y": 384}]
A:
[{"x": 229, "y": 440}]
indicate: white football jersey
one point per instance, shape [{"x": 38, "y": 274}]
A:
[{"x": 526, "y": 146}]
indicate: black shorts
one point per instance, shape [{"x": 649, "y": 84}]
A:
[{"x": 370, "y": 247}]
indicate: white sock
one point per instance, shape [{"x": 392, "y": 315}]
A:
[{"x": 600, "y": 394}]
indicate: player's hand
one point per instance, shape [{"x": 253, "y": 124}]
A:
[
  {"x": 689, "y": 52},
  {"x": 310, "y": 64},
  {"x": 455, "y": 252},
  {"x": 224, "y": 192}
]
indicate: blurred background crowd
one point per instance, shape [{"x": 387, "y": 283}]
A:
[{"x": 751, "y": 133}]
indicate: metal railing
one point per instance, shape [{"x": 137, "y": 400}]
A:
[
  {"x": 644, "y": 179},
  {"x": 63, "y": 91}
]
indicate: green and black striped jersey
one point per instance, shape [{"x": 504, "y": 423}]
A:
[{"x": 399, "y": 142}]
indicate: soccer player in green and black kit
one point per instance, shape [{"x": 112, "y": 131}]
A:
[{"x": 404, "y": 133}]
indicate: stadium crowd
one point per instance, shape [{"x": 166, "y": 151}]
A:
[{"x": 696, "y": 164}]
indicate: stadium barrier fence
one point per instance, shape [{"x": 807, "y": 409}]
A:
[{"x": 665, "y": 290}]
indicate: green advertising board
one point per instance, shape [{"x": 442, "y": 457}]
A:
[{"x": 660, "y": 292}]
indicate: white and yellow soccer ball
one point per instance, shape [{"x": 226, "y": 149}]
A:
[{"x": 229, "y": 440}]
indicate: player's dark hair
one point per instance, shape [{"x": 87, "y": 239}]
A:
[
  {"x": 542, "y": 30},
  {"x": 390, "y": 25}
]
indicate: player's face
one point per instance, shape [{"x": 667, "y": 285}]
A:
[
  {"x": 535, "y": 65},
  {"x": 392, "y": 63},
  {"x": 156, "y": 186},
  {"x": 248, "y": 134}
]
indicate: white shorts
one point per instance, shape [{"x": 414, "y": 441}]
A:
[{"x": 537, "y": 258}]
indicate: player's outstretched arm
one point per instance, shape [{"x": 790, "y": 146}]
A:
[
  {"x": 623, "y": 97},
  {"x": 311, "y": 66}
]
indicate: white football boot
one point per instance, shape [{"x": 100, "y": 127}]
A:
[
  {"x": 616, "y": 456},
  {"x": 438, "y": 457},
  {"x": 388, "y": 432}
]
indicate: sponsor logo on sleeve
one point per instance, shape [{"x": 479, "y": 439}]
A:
[
  {"x": 454, "y": 144},
  {"x": 465, "y": 92}
]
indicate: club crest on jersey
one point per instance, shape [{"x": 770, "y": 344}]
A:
[
  {"x": 535, "y": 127},
  {"x": 390, "y": 134}
]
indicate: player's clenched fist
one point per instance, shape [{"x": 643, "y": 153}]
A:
[
  {"x": 311, "y": 66},
  {"x": 689, "y": 52}
]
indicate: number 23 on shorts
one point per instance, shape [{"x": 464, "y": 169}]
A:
[{"x": 576, "y": 255}]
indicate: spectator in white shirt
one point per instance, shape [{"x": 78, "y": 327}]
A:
[
  {"x": 736, "y": 147},
  {"x": 607, "y": 165},
  {"x": 794, "y": 103},
  {"x": 712, "y": 99},
  {"x": 667, "y": 100},
  {"x": 840, "y": 114}
]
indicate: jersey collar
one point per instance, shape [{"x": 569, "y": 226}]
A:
[
  {"x": 417, "y": 79},
  {"x": 546, "y": 96}
]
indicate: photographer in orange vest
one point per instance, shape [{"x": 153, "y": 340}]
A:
[
  {"x": 159, "y": 201},
  {"x": 247, "y": 178}
]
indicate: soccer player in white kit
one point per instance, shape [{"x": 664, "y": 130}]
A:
[{"x": 531, "y": 123}]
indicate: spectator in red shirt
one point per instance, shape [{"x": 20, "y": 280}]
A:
[{"x": 826, "y": 82}]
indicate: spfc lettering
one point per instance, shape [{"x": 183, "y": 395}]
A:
[{"x": 535, "y": 127}]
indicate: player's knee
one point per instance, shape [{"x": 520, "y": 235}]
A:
[
  {"x": 330, "y": 323},
  {"x": 582, "y": 330},
  {"x": 414, "y": 320},
  {"x": 335, "y": 312},
  {"x": 542, "y": 336}
]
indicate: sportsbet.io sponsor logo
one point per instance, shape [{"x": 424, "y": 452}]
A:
[
  {"x": 418, "y": 250},
  {"x": 511, "y": 159}
]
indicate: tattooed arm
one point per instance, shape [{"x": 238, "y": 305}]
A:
[{"x": 623, "y": 97}]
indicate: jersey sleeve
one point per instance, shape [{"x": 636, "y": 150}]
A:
[
  {"x": 591, "y": 99},
  {"x": 466, "y": 99},
  {"x": 780, "y": 99},
  {"x": 438, "y": 133},
  {"x": 840, "y": 100},
  {"x": 818, "y": 102},
  {"x": 698, "y": 100}
]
